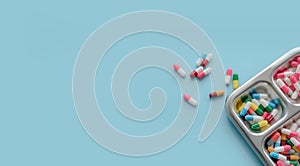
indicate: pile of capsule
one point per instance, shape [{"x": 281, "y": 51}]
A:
[
  {"x": 283, "y": 146},
  {"x": 258, "y": 110},
  {"x": 287, "y": 78}
]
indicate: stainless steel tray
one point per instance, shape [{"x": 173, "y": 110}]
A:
[{"x": 264, "y": 78}]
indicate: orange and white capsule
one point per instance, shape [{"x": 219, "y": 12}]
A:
[
  {"x": 179, "y": 70},
  {"x": 196, "y": 72},
  {"x": 204, "y": 73},
  {"x": 228, "y": 76},
  {"x": 190, "y": 100},
  {"x": 216, "y": 93}
]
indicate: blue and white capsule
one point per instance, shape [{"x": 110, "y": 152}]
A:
[
  {"x": 278, "y": 156},
  {"x": 254, "y": 118},
  {"x": 260, "y": 96},
  {"x": 245, "y": 109},
  {"x": 277, "y": 143}
]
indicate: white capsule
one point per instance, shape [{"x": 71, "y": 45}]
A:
[
  {"x": 295, "y": 94},
  {"x": 298, "y": 131},
  {"x": 199, "y": 62},
  {"x": 179, "y": 70},
  {"x": 298, "y": 122},
  {"x": 287, "y": 81},
  {"x": 294, "y": 126},
  {"x": 190, "y": 100}
]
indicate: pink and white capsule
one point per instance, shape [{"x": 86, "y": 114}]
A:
[
  {"x": 285, "y": 89},
  {"x": 295, "y": 142},
  {"x": 288, "y": 132},
  {"x": 179, "y": 70},
  {"x": 284, "y": 74},
  {"x": 284, "y": 148},
  {"x": 297, "y": 72},
  {"x": 196, "y": 72},
  {"x": 190, "y": 100},
  {"x": 204, "y": 73},
  {"x": 295, "y": 82},
  {"x": 228, "y": 76},
  {"x": 288, "y": 81},
  {"x": 199, "y": 62},
  {"x": 207, "y": 59},
  {"x": 280, "y": 163}
]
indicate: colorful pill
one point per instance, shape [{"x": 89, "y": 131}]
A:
[
  {"x": 271, "y": 116},
  {"x": 256, "y": 107},
  {"x": 288, "y": 81},
  {"x": 290, "y": 162},
  {"x": 278, "y": 156},
  {"x": 260, "y": 96},
  {"x": 216, "y": 93},
  {"x": 284, "y": 148},
  {"x": 254, "y": 118},
  {"x": 265, "y": 103},
  {"x": 235, "y": 81},
  {"x": 278, "y": 143},
  {"x": 207, "y": 59},
  {"x": 292, "y": 157},
  {"x": 204, "y": 73},
  {"x": 295, "y": 142},
  {"x": 288, "y": 132},
  {"x": 285, "y": 89},
  {"x": 280, "y": 163},
  {"x": 273, "y": 138},
  {"x": 199, "y": 62},
  {"x": 228, "y": 76},
  {"x": 284, "y": 74},
  {"x": 190, "y": 100},
  {"x": 196, "y": 72},
  {"x": 245, "y": 109},
  {"x": 259, "y": 125},
  {"x": 179, "y": 70}
]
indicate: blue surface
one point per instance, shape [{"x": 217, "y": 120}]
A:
[{"x": 39, "y": 45}]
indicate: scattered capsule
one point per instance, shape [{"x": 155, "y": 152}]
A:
[
  {"x": 207, "y": 59},
  {"x": 245, "y": 109},
  {"x": 196, "y": 72},
  {"x": 228, "y": 76},
  {"x": 235, "y": 81},
  {"x": 260, "y": 96},
  {"x": 285, "y": 89},
  {"x": 199, "y": 62},
  {"x": 288, "y": 132},
  {"x": 287, "y": 81},
  {"x": 204, "y": 73},
  {"x": 216, "y": 93},
  {"x": 179, "y": 70},
  {"x": 278, "y": 156},
  {"x": 259, "y": 125},
  {"x": 190, "y": 100},
  {"x": 254, "y": 118}
]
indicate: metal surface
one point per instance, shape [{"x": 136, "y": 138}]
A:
[{"x": 264, "y": 78}]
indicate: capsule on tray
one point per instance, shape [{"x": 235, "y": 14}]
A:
[{"x": 258, "y": 110}]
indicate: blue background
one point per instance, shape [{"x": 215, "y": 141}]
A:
[{"x": 39, "y": 45}]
